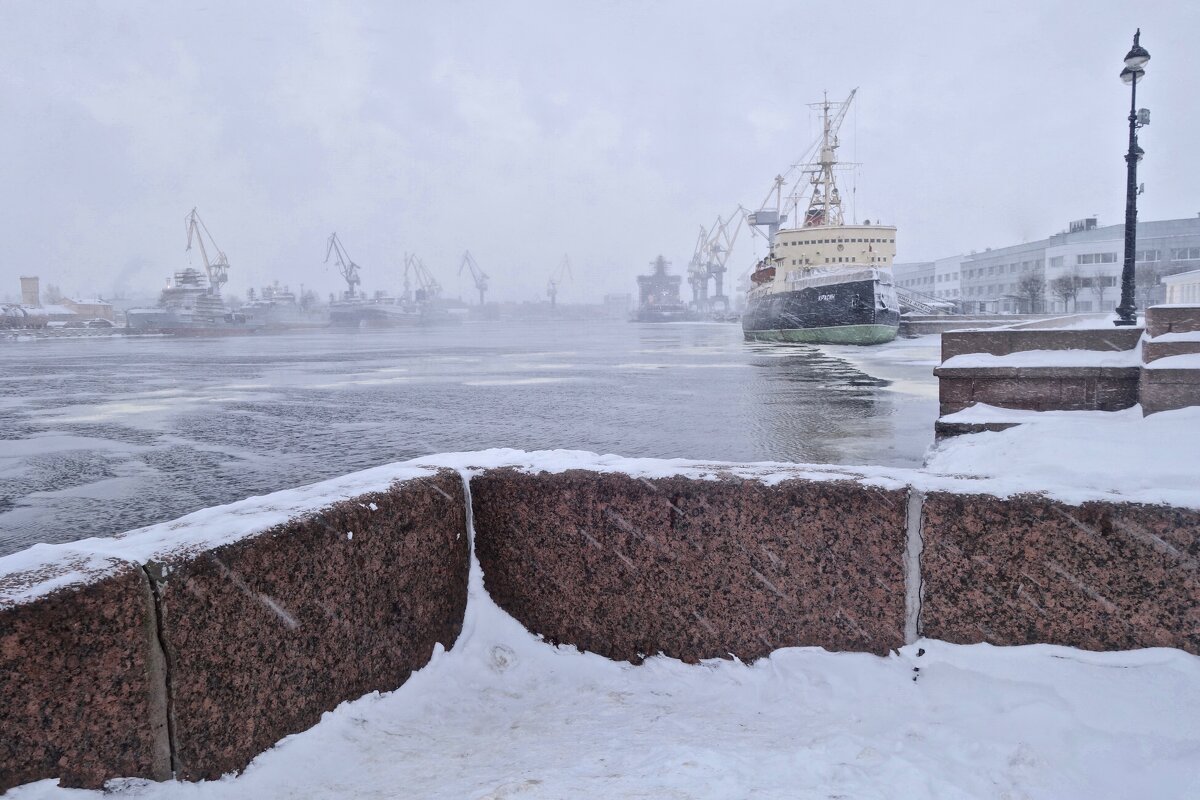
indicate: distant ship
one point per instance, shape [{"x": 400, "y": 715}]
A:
[
  {"x": 659, "y": 296},
  {"x": 415, "y": 308},
  {"x": 277, "y": 308},
  {"x": 824, "y": 281},
  {"x": 191, "y": 304}
]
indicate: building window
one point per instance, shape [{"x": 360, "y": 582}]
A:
[
  {"x": 1185, "y": 254},
  {"x": 1057, "y": 261},
  {"x": 1146, "y": 255},
  {"x": 1100, "y": 258}
]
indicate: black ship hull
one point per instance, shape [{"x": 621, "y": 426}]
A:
[{"x": 840, "y": 313}]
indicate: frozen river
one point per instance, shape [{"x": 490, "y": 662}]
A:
[{"x": 102, "y": 435}]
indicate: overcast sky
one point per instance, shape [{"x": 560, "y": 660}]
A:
[{"x": 523, "y": 131}]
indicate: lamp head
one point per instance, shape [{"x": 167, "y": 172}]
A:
[
  {"x": 1138, "y": 56},
  {"x": 1129, "y": 76}
]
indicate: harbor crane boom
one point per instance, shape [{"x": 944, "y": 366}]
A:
[
  {"x": 709, "y": 260},
  {"x": 478, "y": 275},
  {"x": 427, "y": 286},
  {"x": 218, "y": 267},
  {"x": 345, "y": 265},
  {"x": 560, "y": 274}
]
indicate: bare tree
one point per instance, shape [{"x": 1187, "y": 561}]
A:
[
  {"x": 1031, "y": 291},
  {"x": 1146, "y": 276},
  {"x": 52, "y": 295},
  {"x": 1099, "y": 283},
  {"x": 1066, "y": 288}
]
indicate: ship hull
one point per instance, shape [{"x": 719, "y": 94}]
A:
[
  {"x": 842, "y": 313},
  {"x": 169, "y": 323},
  {"x": 379, "y": 316}
]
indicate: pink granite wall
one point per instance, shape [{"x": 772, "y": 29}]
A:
[
  {"x": 81, "y": 685},
  {"x": 627, "y": 567},
  {"x": 265, "y": 635},
  {"x": 1024, "y": 570},
  {"x": 197, "y": 663}
]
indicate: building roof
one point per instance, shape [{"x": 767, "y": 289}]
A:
[{"x": 1182, "y": 277}]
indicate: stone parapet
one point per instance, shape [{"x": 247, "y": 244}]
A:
[
  {"x": 1007, "y": 342},
  {"x": 82, "y": 686},
  {"x": 1172, "y": 319},
  {"x": 1154, "y": 349},
  {"x": 1166, "y": 389},
  {"x": 1038, "y": 388},
  {"x": 266, "y": 634},
  {"x": 1025, "y": 570},
  {"x": 693, "y": 569},
  {"x": 191, "y": 659}
]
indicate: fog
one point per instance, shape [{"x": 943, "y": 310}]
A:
[{"x": 525, "y": 131}]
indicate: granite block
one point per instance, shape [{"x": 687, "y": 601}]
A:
[
  {"x": 1005, "y": 342},
  {"x": 1153, "y": 350},
  {"x": 1169, "y": 389},
  {"x": 1172, "y": 319},
  {"x": 82, "y": 691},
  {"x": 628, "y": 567},
  {"x": 1038, "y": 388},
  {"x": 267, "y": 633},
  {"x": 1024, "y": 570}
]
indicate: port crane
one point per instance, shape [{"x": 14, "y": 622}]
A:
[
  {"x": 218, "y": 267},
  {"x": 345, "y": 265},
  {"x": 478, "y": 275},
  {"x": 713, "y": 246},
  {"x": 427, "y": 286},
  {"x": 560, "y": 274}
]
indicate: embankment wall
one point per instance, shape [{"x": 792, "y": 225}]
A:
[
  {"x": 189, "y": 648},
  {"x": 189, "y": 660}
]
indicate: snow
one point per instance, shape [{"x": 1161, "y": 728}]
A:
[
  {"x": 1185, "y": 361},
  {"x": 1092, "y": 322},
  {"x": 1181, "y": 336},
  {"x": 1076, "y": 456},
  {"x": 1048, "y": 358},
  {"x": 506, "y": 715}
]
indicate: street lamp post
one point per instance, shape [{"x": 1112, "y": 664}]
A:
[{"x": 1135, "y": 70}]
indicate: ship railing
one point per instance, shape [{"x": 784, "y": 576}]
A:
[{"x": 822, "y": 277}]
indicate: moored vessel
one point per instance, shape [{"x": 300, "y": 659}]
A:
[
  {"x": 659, "y": 296},
  {"x": 191, "y": 303},
  {"x": 277, "y": 308},
  {"x": 822, "y": 281}
]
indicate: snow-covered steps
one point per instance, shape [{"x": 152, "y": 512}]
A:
[{"x": 1170, "y": 378}]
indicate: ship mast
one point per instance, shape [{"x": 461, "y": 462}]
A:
[{"x": 825, "y": 203}]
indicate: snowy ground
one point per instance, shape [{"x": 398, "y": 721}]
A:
[{"x": 506, "y": 715}]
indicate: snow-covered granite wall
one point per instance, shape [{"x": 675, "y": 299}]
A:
[
  {"x": 189, "y": 647},
  {"x": 192, "y": 646},
  {"x": 632, "y": 566}
]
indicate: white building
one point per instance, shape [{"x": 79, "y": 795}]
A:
[
  {"x": 1083, "y": 263},
  {"x": 1183, "y": 287}
]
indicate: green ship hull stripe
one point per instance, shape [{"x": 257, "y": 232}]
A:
[{"x": 838, "y": 334}]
